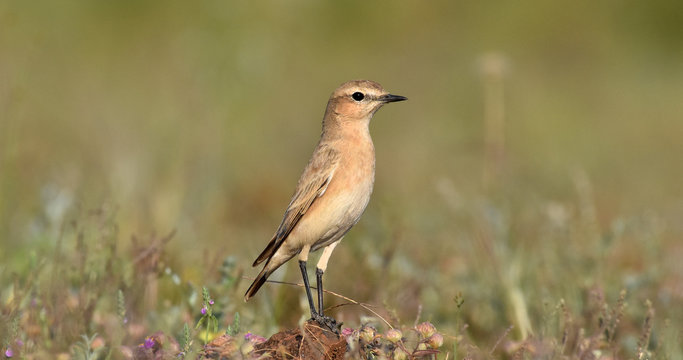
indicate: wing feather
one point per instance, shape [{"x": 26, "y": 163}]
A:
[{"x": 311, "y": 186}]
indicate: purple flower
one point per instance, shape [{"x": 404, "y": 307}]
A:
[
  {"x": 253, "y": 338},
  {"x": 211, "y": 302},
  {"x": 259, "y": 339},
  {"x": 204, "y": 310},
  {"x": 149, "y": 343},
  {"x": 9, "y": 353},
  {"x": 20, "y": 343}
]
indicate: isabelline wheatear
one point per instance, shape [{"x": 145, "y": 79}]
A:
[{"x": 334, "y": 189}]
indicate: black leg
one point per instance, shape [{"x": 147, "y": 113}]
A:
[
  {"x": 304, "y": 274},
  {"x": 319, "y": 285},
  {"x": 327, "y": 321}
]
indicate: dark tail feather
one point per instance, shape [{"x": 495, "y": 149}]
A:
[
  {"x": 266, "y": 253},
  {"x": 256, "y": 285}
]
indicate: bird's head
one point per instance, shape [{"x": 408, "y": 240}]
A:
[{"x": 359, "y": 99}]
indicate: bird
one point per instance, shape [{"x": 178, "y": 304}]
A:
[{"x": 333, "y": 191}]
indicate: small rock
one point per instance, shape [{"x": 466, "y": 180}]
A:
[
  {"x": 222, "y": 347},
  {"x": 310, "y": 342}
]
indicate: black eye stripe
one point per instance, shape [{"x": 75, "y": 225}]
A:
[{"x": 358, "y": 96}]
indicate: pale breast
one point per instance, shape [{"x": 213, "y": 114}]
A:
[
  {"x": 355, "y": 178},
  {"x": 345, "y": 199}
]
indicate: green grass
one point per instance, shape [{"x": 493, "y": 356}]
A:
[{"x": 527, "y": 200}]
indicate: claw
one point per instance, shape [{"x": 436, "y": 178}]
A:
[{"x": 328, "y": 322}]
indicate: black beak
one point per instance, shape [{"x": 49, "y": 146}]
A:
[{"x": 392, "y": 98}]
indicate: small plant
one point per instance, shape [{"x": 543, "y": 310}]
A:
[
  {"x": 83, "y": 350},
  {"x": 121, "y": 307},
  {"x": 208, "y": 317},
  {"x": 187, "y": 342},
  {"x": 368, "y": 343},
  {"x": 9, "y": 351},
  {"x": 234, "y": 328}
]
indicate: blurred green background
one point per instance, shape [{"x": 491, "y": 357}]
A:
[{"x": 539, "y": 155}]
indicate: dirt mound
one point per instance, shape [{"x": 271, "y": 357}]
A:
[{"x": 309, "y": 342}]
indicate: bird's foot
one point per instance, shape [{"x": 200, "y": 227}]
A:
[{"x": 327, "y": 322}]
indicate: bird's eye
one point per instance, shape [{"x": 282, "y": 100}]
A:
[{"x": 358, "y": 96}]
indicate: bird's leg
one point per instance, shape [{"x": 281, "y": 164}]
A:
[
  {"x": 303, "y": 257},
  {"x": 319, "y": 271},
  {"x": 327, "y": 321},
  {"x": 319, "y": 284},
  {"x": 304, "y": 274}
]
